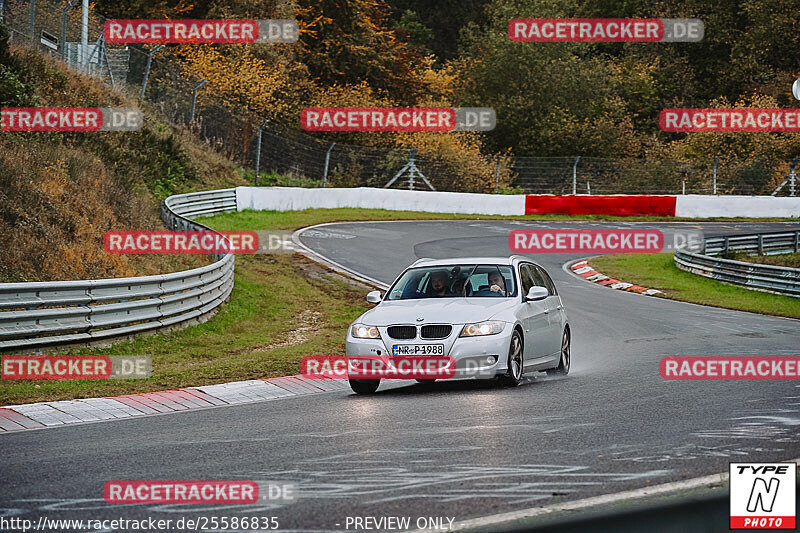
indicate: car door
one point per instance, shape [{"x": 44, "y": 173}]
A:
[
  {"x": 555, "y": 311},
  {"x": 534, "y": 317}
]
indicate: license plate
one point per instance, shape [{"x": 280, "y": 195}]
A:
[{"x": 418, "y": 349}]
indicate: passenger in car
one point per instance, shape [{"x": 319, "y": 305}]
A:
[
  {"x": 458, "y": 287},
  {"x": 438, "y": 285}
]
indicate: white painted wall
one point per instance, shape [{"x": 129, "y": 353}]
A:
[
  {"x": 706, "y": 206},
  {"x": 297, "y": 198}
]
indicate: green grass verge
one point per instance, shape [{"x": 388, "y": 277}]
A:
[
  {"x": 658, "y": 271},
  {"x": 786, "y": 260},
  {"x": 281, "y": 309}
]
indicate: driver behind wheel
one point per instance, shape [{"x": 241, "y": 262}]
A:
[{"x": 497, "y": 284}]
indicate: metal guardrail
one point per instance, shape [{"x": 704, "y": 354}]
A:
[
  {"x": 778, "y": 279},
  {"x": 34, "y": 315}
]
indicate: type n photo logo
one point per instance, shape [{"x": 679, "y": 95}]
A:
[{"x": 763, "y": 495}]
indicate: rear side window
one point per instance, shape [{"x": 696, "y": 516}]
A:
[
  {"x": 536, "y": 275},
  {"x": 526, "y": 280},
  {"x": 548, "y": 282}
]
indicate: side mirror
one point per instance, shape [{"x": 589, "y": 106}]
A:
[
  {"x": 536, "y": 294},
  {"x": 374, "y": 297}
]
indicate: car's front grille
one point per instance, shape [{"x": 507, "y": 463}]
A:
[
  {"x": 436, "y": 331},
  {"x": 402, "y": 332}
]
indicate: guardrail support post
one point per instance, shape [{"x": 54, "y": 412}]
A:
[
  {"x": 797, "y": 241},
  {"x": 147, "y": 68},
  {"x": 760, "y": 244},
  {"x": 327, "y": 161},
  {"x": 725, "y": 246}
]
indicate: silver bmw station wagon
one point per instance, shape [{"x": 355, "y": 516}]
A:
[{"x": 497, "y": 317}]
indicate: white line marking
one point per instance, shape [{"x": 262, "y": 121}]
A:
[
  {"x": 330, "y": 263},
  {"x": 590, "y": 502}
]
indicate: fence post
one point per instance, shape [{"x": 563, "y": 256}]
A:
[
  {"x": 683, "y": 187},
  {"x": 32, "y": 19},
  {"x": 64, "y": 15},
  {"x": 714, "y": 177},
  {"x": 258, "y": 151},
  {"x": 147, "y": 69},
  {"x": 575, "y": 175},
  {"x": 194, "y": 98},
  {"x": 85, "y": 34},
  {"x": 327, "y": 161},
  {"x": 588, "y": 188},
  {"x": 790, "y": 179},
  {"x": 497, "y": 173}
]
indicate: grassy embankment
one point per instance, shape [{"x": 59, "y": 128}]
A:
[{"x": 658, "y": 271}]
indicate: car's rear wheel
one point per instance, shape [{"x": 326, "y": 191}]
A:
[
  {"x": 364, "y": 386},
  {"x": 566, "y": 357},
  {"x": 513, "y": 375}
]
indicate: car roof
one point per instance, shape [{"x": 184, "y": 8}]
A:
[{"x": 497, "y": 260}]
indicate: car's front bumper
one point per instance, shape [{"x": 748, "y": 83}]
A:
[{"x": 475, "y": 357}]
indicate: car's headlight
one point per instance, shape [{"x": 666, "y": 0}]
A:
[
  {"x": 490, "y": 327},
  {"x": 360, "y": 331}
]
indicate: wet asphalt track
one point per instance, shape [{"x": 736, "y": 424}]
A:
[{"x": 461, "y": 449}]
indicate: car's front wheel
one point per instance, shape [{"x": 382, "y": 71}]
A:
[
  {"x": 513, "y": 375},
  {"x": 364, "y": 386},
  {"x": 566, "y": 357}
]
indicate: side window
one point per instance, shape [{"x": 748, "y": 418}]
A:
[
  {"x": 536, "y": 275},
  {"x": 548, "y": 282},
  {"x": 525, "y": 279}
]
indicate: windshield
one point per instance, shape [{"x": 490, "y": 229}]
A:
[{"x": 455, "y": 281}]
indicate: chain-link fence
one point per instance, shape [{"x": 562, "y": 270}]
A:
[
  {"x": 161, "y": 78},
  {"x": 593, "y": 175}
]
